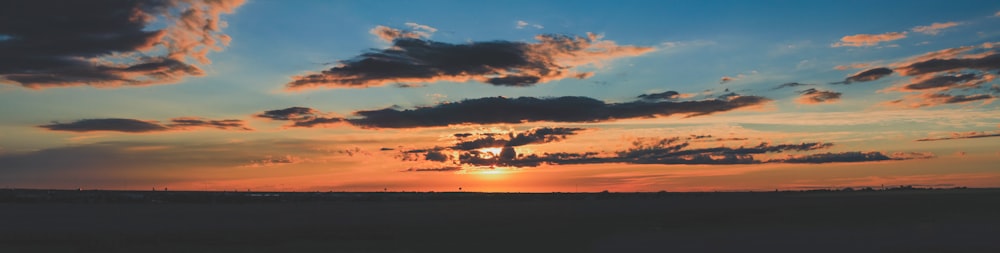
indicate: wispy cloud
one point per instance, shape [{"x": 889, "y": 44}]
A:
[
  {"x": 521, "y": 24},
  {"x": 867, "y": 40},
  {"x": 957, "y": 136},
  {"x": 302, "y": 117},
  {"x": 110, "y": 44},
  {"x": 502, "y": 63},
  {"x": 792, "y": 84},
  {"x": 934, "y": 28},
  {"x": 415, "y": 31},
  {"x": 145, "y": 126}
]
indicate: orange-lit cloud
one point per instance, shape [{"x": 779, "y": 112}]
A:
[
  {"x": 415, "y": 31},
  {"x": 504, "y": 63},
  {"x": 853, "y": 66},
  {"x": 948, "y": 76},
  {"x": 867, "y": 40},
  {"x": 934, "y": 28},
  {"x": 101, "y": 45}
]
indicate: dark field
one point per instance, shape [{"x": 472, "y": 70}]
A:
[{"x": 962, "y": 220}]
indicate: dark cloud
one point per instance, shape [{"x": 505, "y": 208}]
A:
[
  {"x": 141, "y": 126},
  {"x": 954, "y": 99},
  {"x": 666, "y": 95},
  {"x": 291, "y": 113},
  {"x": 837, "y": 157},
  {"x": 107, "y": 43},
  {"x": 667, "y": 153},
  {"x": 436, "y": 156},
  {"x": 814, "y": 96},
  {"x": 793, "y": 84},
  {"x": 412, "y": 59},
  {"x": 944, "y": 81},
  {"x": 117, "y": 125},
  {"x": 493, "y": 110},
  {"x": 317, "y": 121},
  {"x": 674, "y": 150},
  {"x": 300, "y": 116},
  {"x": 986, "y": 63},
  {"x": 226, "y": 124},
  {"x": 441, "y": 169},
  {"x": 867, "y": 75},
  {"x": 532, "y": 136},
  {"x": 955, "y": 136}
]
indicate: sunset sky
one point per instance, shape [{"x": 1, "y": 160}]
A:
[{"x": 512, "y": 96}]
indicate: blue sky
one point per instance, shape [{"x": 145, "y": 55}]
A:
[{"x": 724, "y": 59}]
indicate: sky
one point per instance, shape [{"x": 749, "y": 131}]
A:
[{"x": 510, "y": 96}]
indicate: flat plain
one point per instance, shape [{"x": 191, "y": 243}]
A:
[{"x": 911, "y": 220}]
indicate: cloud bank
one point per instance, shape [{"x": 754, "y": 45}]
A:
[
  {"x": 497, "y": 110},
  {"x": 413, "y": 59}
]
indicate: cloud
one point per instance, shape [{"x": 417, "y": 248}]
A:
[
  {"x": 936, "y": 99},
  {"x": 415, "y": 31},
  {"x": 532, "y": 136},
  {"x": 672, "y": 150},
  {"x": 184, "y": 123},
  {"x": 969, "y": 135},
  {"x": 944, "y": 98},
  {"x": 853, "y": 66},
  {"x": 934, "y": 28},
  {"x": 301, "y": 117},
  {"x": 144, "y": 126},
  {"x": 495, "y": 110},
  {"x": 939, "y": 74},
  {"x": 949, "y": 81},
  {"x": 109, "y": 43},
  {"x": 867, "y": 40},
  {"x": 814, "y": 96},
  {"x": 666, "y": 95},
  {"x": 726, "y": 79},
  {"x": 986, "y": 63},
  {"x": 441, "y": 169},
  {"x": 792, "y": 84},
  {"x": 501, "y": 63},
  {"x": 867, "y": 75},
  {"x": 521, "y": 24},
  {"x": 112, "y": 124},
  {"x": 837, "y": 157},
  {"x": 676, "y": 153},
  {"x": 275, "y": 161}
]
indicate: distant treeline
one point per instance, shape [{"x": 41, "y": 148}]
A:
[{"x": 112, "y": 196}]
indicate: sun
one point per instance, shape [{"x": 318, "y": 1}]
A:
[{"x": 494, "y": 152}]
